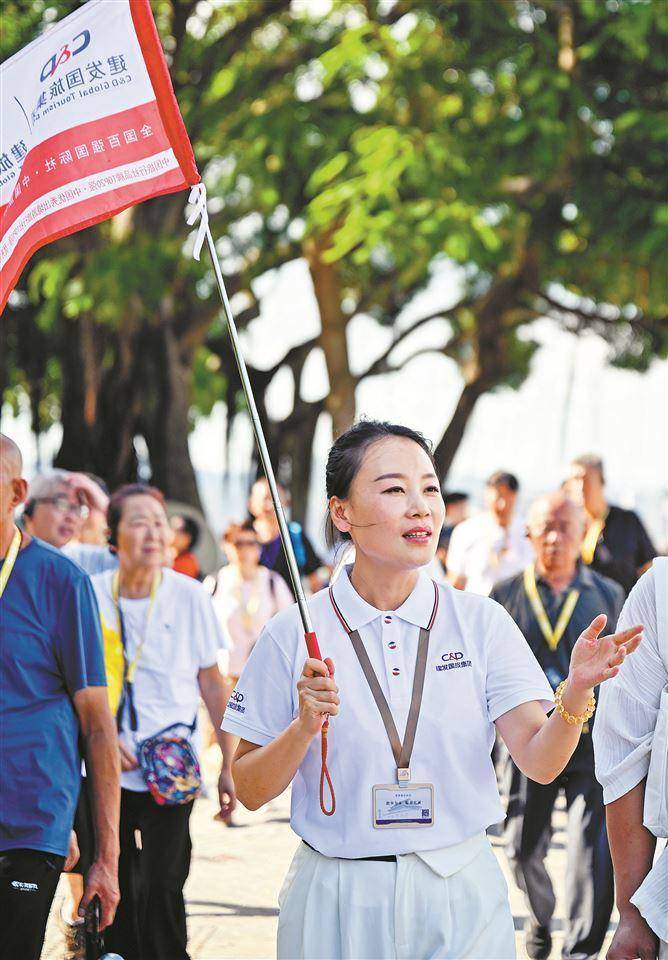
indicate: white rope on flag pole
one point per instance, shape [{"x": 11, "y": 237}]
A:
[{"x": 199, "y": 212}]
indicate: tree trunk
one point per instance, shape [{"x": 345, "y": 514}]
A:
[
  {"x": 295, "y": 453},
  {"x": 101, "y": 443},
  {"x": 489, "y": 361},
  {"x": 166, "y": 423},
  {"x": 75, "y": 447},
  {"x": 340, "y": 403},
  {"x": 448, "y": 445}
]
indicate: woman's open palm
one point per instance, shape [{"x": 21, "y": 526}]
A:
[{"x": 596, "y": 658}]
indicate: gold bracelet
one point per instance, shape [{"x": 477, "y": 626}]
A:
[{"x": 569, "y": 717}]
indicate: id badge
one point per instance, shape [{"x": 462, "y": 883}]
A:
[{"x": 406, "y": 805}]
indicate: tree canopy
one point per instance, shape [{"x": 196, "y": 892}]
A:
[{"x": 524, "y": 142}]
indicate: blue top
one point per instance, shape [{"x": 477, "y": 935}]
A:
[{"x": 50, "y": 647}]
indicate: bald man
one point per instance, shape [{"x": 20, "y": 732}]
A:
[
  {"x": 52, "y": 696},
  {"x": 552, "y": 602}
]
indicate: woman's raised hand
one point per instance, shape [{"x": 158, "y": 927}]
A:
[
  {"x": 318, "y": 695},
  {"x": 595, "y": 658}
]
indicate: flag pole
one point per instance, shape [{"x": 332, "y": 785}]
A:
[
  {"x": 265, "y": 459},
  {"x": 199, "y": 197}
]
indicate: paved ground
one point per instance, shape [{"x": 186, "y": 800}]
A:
[{"x": 237, "y": 872}]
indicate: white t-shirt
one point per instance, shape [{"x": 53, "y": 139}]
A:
[
  {"x": 486, "y": 553},
  {"x": 626, "y": 720},
  {"x": 92, "y": 559},
  {"x": 183, "y": 638},
  {"x": 628, "y": 705},
  {"x": 479, "y": 667},
  {"x": 243, "y": 607}
]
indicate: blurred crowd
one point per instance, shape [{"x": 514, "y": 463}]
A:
[{"x": 134, "y": 604}]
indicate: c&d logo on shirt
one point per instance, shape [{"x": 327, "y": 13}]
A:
[
  {"x": 235, "y": 701},
  {"x": 453, "y": 660}
]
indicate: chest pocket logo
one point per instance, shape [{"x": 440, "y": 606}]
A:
[{"x": 452, "y": 660}]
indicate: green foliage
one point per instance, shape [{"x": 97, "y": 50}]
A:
[{"x": 524, "y": 140}]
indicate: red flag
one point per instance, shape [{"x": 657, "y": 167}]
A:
[{"x": 90, "y": 126}]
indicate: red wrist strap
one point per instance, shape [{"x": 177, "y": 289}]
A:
[
  {"x": 325, "y": 778},
  {"x": 324, "y": 774}
]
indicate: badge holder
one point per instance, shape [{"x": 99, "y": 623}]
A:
[{"x": 403, "y": 804}]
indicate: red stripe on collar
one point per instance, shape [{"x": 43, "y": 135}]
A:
[{"x": 347, "y": 628}]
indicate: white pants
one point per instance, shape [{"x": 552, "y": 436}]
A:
[{"x": 364, "y": 910}]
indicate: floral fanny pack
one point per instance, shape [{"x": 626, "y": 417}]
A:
[{"x": 169, "y": 765}]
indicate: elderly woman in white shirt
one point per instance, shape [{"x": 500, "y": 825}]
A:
[
  {"x": 245, "y": 595},
  {"x": 159, "y": 628},
  {"x": 402, "y": 866},
  {"x": 631, "y": 747}
]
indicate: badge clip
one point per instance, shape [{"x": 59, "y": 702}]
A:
[{"x": 403, "y": 775}]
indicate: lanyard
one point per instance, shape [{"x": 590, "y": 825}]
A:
[
  {"x": 552, "y": 634},
  {"x": 401, "y": 750},
  {"x": 130, "y": 667},
  {"x": 10, "y": 559},
  {"x": 590, "y": 541}
]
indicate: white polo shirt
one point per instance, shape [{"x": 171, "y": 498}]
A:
[
  {"x": 183, "y": 638},
  {"x": 479, "y": 667},
  {"x": 486, "y": 553}
]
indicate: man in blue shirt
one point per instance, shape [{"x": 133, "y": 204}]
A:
[{"x": 52, "y": 695}]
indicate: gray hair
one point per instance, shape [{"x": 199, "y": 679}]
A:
[
  {"x": 48, "y": 484},
  {"x": 590, "y": 462}
]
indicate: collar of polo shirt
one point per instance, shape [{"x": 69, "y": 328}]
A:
[{"x": 416, "y": 608}]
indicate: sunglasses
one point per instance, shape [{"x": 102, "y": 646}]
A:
[
  {"x": 246, "y": 543},
  {"x": 63, "y": 505}
]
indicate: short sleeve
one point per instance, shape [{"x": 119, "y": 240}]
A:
[
  {"x": 79, "y": 636},
  {"x": 514, "y": 676},
  {"x": 207, "y": 629},
  {"x": 261, "y": 705},
  {"x": 629, "y": 703}
]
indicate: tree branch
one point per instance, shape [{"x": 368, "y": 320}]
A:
[
  {"x": 422, "y": 352},
  {"x": 593, "y": 317},
  {"x": 381, "y": 365}
]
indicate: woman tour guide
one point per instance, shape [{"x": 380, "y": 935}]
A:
[{"x": 425, "y": 673}]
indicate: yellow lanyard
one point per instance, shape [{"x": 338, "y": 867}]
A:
[
  {"x": 552, "y": 634},
  {"x": 590, "y": 541},
  {"x": 10, "y": 559},
  {"x": 131, "y": 667}
]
